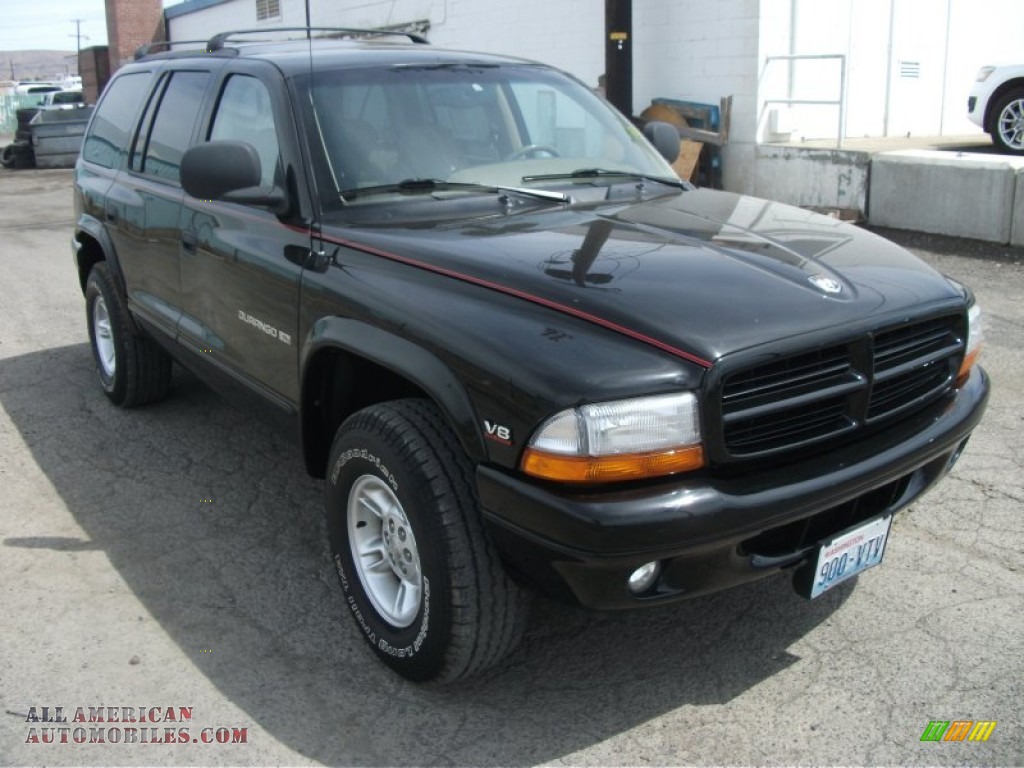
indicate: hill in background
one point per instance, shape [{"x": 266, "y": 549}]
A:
[{"x": 36, "y": 65}]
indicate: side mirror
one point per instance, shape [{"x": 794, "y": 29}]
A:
[
  {"x": 665, "y": 139},
  {"x": 229, "y": 171}
]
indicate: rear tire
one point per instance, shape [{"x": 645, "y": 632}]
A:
[
  {"x": 421, "y": 580},
  {"x": 133, "y": 370},
  {"x": 1008, "y": 122}
]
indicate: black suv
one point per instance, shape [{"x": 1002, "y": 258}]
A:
[{"x": 519, "y": 350}]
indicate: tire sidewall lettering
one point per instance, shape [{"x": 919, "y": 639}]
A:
[
  {"x": 404, "y": 643},
  {"x": 362, "y": 453}
]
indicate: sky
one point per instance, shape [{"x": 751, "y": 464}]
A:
[{"x": 49, "y": 24}]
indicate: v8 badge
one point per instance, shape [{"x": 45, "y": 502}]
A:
[{"x": 498, "y": 433}]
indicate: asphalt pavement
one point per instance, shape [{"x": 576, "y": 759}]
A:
[{"x": 172, "y": 560}]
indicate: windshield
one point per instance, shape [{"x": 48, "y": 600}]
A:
[{"x": 503, "y": 125}]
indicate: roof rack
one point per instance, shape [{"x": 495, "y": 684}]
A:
[
  {"x": 217, "y": 42},
  {"x": 145, "y": 50}
]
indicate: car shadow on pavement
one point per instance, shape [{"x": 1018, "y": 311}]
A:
[{"x": 210, "y": 519}]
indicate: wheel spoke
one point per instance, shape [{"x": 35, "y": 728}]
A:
[
  {"x": 1011, "y": 125},
  {"x": 103, "y": 332},
  {"x": 376, "y": 562},
  {"x": 380, "y": 536},
  {"x": 407, "y": 598}
]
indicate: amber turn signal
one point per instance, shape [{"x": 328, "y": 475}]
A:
[{"x": 611, "y": 469}]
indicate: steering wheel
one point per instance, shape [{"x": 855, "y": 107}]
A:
[{"x": 529, "y": 149}]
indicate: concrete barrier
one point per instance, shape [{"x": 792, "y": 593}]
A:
[
  {"x": 958, "y": 194},
  {"x": 1017, "y": 228},
  {"x": 813, "y": 178}
]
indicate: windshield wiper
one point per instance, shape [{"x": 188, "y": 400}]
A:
[
  {"x": 422, "y": 186},
  {"x": 604, "y": 173}
]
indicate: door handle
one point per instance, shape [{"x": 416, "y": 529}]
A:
[
  {"x": 111, "y": 215},
  {"x": 189, "y": 241}
]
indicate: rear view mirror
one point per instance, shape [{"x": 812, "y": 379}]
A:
[
  {"x": 665, "y": 139},
  {"x": 229, "y": 171}
]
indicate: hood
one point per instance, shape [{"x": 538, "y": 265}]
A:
[{"x": 703, "y": 272}]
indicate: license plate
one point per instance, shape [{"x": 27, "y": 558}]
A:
[{"x": 851, "y": 552}]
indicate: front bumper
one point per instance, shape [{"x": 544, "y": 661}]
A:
[{"x": 712, "y": 533}]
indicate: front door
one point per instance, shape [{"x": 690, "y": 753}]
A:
[{"x": 240, "y": 290}]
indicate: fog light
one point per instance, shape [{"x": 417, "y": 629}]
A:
[{"x": 643, "y": 577}]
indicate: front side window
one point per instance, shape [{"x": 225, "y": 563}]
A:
[
  {"x": 173, "y": 124},
  {"x": 245, "y": 113},
  {"x": 114, "y": 118}
]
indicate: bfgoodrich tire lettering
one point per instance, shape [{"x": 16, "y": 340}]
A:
[
  {"x": 399, "y": 463},
  {"x": 132, "y": 369}
]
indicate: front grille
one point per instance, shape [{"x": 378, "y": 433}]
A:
[
  {"x": 911, "y": 365},
  {"x": 808, "y": 398}
]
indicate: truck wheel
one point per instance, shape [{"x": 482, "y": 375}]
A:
[
  {"x": 422, "y": 582},
  {"x": 133, "y": 370}
]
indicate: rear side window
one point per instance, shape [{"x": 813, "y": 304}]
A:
[
  {"x": 112, "y": 124},
  {"x": 172, "y": 127}
]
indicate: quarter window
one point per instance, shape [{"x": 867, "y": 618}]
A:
[{"x": 115, "y": 116}]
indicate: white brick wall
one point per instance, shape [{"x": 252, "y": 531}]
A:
[{"x": 697, "y": 50}]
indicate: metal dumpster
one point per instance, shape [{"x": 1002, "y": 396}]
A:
[{"x": 57, "y": 136}]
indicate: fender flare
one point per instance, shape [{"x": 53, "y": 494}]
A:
[
  {"x": 94, "y": 228},
  {"x": 406, "y": 359}
]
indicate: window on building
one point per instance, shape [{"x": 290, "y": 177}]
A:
[{"x": 267, "y": 10}]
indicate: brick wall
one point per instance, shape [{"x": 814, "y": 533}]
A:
[
  {"x": 131, "y": 23},
  {"x": 94, "y": 67}
]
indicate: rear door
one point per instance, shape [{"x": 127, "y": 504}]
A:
[
  {"x": 144, "y": 205},
  {"x": 104, "y": 153}
]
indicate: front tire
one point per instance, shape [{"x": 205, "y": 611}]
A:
[
  {"x": 133, "y": 369},
  {"x": 421, "y": 580},
  {"x": 1008, "y": 122}
]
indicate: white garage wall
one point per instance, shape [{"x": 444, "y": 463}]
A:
[
  {"x": 696, "y": 50},
  {"x": 910, "y": 63},
  {"x": 565, "y": 33}
]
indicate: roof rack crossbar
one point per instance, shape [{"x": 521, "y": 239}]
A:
[
  {"x": 147, "y": 48},
  {"x": 217, "y": 42}
]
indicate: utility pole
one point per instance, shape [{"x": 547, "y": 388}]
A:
[{"x": 78, "y": 42}]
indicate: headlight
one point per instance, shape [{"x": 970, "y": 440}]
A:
[
  {"x": 983, "y": 74},
  {"x": 621, "y": 440},
  {"x": 974, "y": 339}
]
